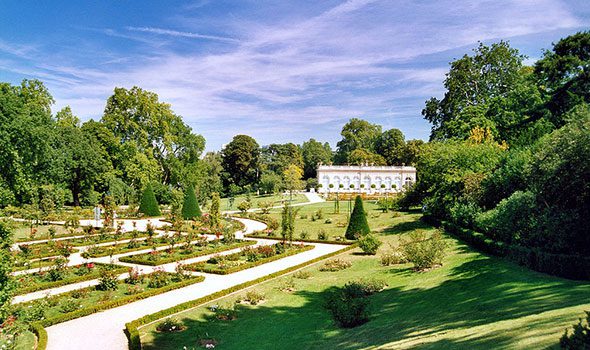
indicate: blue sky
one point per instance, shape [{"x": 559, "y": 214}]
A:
[{"x": 280, "y": 71}]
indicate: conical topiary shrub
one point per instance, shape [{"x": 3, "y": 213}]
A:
[
  {"x": 190, "y": 206},
  {"x": 358, "y": 225},
  {"x": 149, "y": 205}
]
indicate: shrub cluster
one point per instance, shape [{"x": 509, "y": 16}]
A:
[
  {"x": 579, "y": 339},
  {"x": 335, "y": 265},
  {"x": 369, "y": 244},
  {"x": 348, "y": 305},
  {"x": 423, "y": 251}
]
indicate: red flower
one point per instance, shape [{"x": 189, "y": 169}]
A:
[{"x": 90, "y": 265}]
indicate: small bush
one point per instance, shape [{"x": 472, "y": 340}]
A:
[
  {"x": 424, "y": 252},
  {"x": 170, "y": 325},
  {"x": 158, "y": 279},
  {"x": 322, "y": 235},
  {"x": 348, "y": 311},
  {"x": 227, "y": 313},
  {"x": 34, "y": 311},
  {"x": 134, "y": 276},
  {"x": 134, "y": 289},
  {"x": 80, "y": 293},
  {"x": 335, "y": 265},
  {"x": 369, "y": 244},
  {"x": 365, "y": 286},
  {"x": 328, "y": 221},
  {"x": 579, "y": 339},
  {"x": 69, "y": 305},
  {"x": 254, "y": 297},
  {"x": 107, "y": 280},
  {"x": 392, "y": 256},
  {"x": 302, "y": 275},
  {"x": 303, "y": 234}
]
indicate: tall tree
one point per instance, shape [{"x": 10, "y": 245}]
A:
[
  {"x": 357, "y": 133},
  {"x": 390, "y": 145},
  {"x": 314, "y": 152},
  {"x": 278, "y": 157},
  {"x": 471, "y": 83},
  {"x": 292, "y": 179},
  {"x": 564, "y": 73},
  {"x": 361, "y": 156},
  {"x": 240, "y": 161},
  {"x": 144, "y": 123}
]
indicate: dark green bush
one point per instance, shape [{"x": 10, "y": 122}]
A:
[
  {"x": 190, "y": 206},
  {"x": 358, "y": 225},
  {"x": 579, "y": 339},
  {"x": 149, "y": 205},
  {"x": 369, "y": 244}
]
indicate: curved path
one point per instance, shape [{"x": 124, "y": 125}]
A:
[{"x": 104, "y": 330}]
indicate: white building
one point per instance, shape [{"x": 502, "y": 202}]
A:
[{"x": 364, "y": 178}]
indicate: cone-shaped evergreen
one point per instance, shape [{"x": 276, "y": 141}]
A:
[
  {"x": 190, "y": 206},
  {"x": 358, "y": 225},
  {"x": 149, "y": 205}
]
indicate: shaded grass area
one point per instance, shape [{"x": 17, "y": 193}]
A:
[
  {"x": 276, "y": 199},
  {"x": 473, "y": 301}
]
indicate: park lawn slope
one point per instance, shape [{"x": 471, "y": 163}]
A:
[{"x": 473, "y": 301}]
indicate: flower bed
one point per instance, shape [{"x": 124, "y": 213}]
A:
[
  {"x": 49, "y": 311},
  {"x": 121, "y": 248},
  {"x": 45, "y": 250},
  {"x": 183, "y": 252},
  {"x": 248, "y": 257},
  {"x": 265, "y": 235},
  {"x": 27, "y": 265},
  {"x": 59, "y": 275}
]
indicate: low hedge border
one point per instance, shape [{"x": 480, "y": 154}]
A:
[
  {"x": 134, "y": 260},
  {"x": 194, "y": 267},
  {"x": 123, "y": 251},
  {"x": 55, "y": 284},
  {"x": 38, "y": 328},
  {"x": 132, "y": 328},
  {"x": 575, "y": 267},
  {"x": 301, "y": 240}
]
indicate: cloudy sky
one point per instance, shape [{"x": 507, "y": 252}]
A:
[{"x": 279, "y": 71}]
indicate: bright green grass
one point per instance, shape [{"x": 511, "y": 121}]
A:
[
  {"x": 22, "y": 232},
  {"x": 276, "y": 199},
  {"x": 303, "y": 222},
  {"x": 472, "y": 302},
  {"x": 25, "y": 341}
]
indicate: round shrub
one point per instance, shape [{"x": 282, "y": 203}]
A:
[{"x": 369, "y": 244}]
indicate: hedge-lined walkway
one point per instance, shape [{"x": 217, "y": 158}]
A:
[{"x": 105, "y": 329}]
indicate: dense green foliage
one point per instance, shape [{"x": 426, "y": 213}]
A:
[
  {"x": 149, "y": 205},
  {"x": 6, "y": 261},
  {"x": 579, "y": 339},
  {"x": 358, "y": 225},
  {"x": 190, "y": 206},
  {"x": 531, "y": 190}
]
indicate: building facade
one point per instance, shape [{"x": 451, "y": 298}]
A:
[{"x": 364, "y": 178}]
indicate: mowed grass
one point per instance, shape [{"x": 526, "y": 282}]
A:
[
  {"x": 276, "y": 199},
  {"x": 334, "y": 224},
  {"x": 472, "y": 302}
]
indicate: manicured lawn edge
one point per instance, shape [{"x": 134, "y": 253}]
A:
[
  {"x": 38, "y": 328},
  {"x": 301, "y": 240},
  {"x": 132, "y": 328},
  {"x": 49, "y": 285},
  {"x": 134, "y": 260},
  {"x": 194, "y": 267}
]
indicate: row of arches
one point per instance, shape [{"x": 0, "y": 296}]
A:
[{"x": 387, "y": 182}]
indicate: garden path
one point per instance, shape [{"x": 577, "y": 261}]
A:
[{"x": 105, "y": 329}]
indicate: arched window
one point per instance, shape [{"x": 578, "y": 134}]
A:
[
  {"x": 357, "y": 182},
  {"x": 325, "y": 182},
  {"x": 378, "y": 182},
  {"x": 367, "y": 181},
  {"x": 336, "y": 182},
  {"x": 346, "y": 182},
  {"x": 408, "y": 181},
  {"x": 398, "y": 183},
  {"x": 388, "y": 183}
]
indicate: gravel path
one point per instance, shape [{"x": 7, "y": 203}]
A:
[{"x": 105, "y": 329}]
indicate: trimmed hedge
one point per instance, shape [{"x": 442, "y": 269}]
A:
[
  {"x": 149, "y": 205},
  {"x": 132, "y": 328},
  {"x": 55, "y": 284},
  {"x": 39, "y": 327},
  {"x": 134, "y": 258},
  {"x": 123, "y": 250},
  {"x": 190, "y": 206},
  {"x": 358, "y": 225},
  {"x": 248, "y": 265},
  {"x": 300, "y": 240},
  {"x": 575, "y": 267}
]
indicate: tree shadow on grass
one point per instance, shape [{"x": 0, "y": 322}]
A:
[
  {"x": 407, "y": 226},
  {"x": 477, "y": 293}
]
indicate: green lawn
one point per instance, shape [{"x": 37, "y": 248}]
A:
[
  {"x": 472, "y": 302},
  {"x": 22, "y": 232},
  {"x": 333, "y": 224},
  {"x": 276, "y": 199}
]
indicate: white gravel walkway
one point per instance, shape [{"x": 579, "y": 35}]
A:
[{"x": 104, "y": 330}]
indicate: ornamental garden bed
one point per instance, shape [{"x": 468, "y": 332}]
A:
[
  {"x": 113, "y": 293},
  {"x": 268, "y": 234},
  {"x": 92, "y": 236},
  {"x": 248, "y": 257},
  {"x": 96, "y": 251},
  {"x": 58, "y": 274},
  {"x": 44, "y": 250},
  {"x": 184, "y": 252},
  {"x": 21, "y": 265}
]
